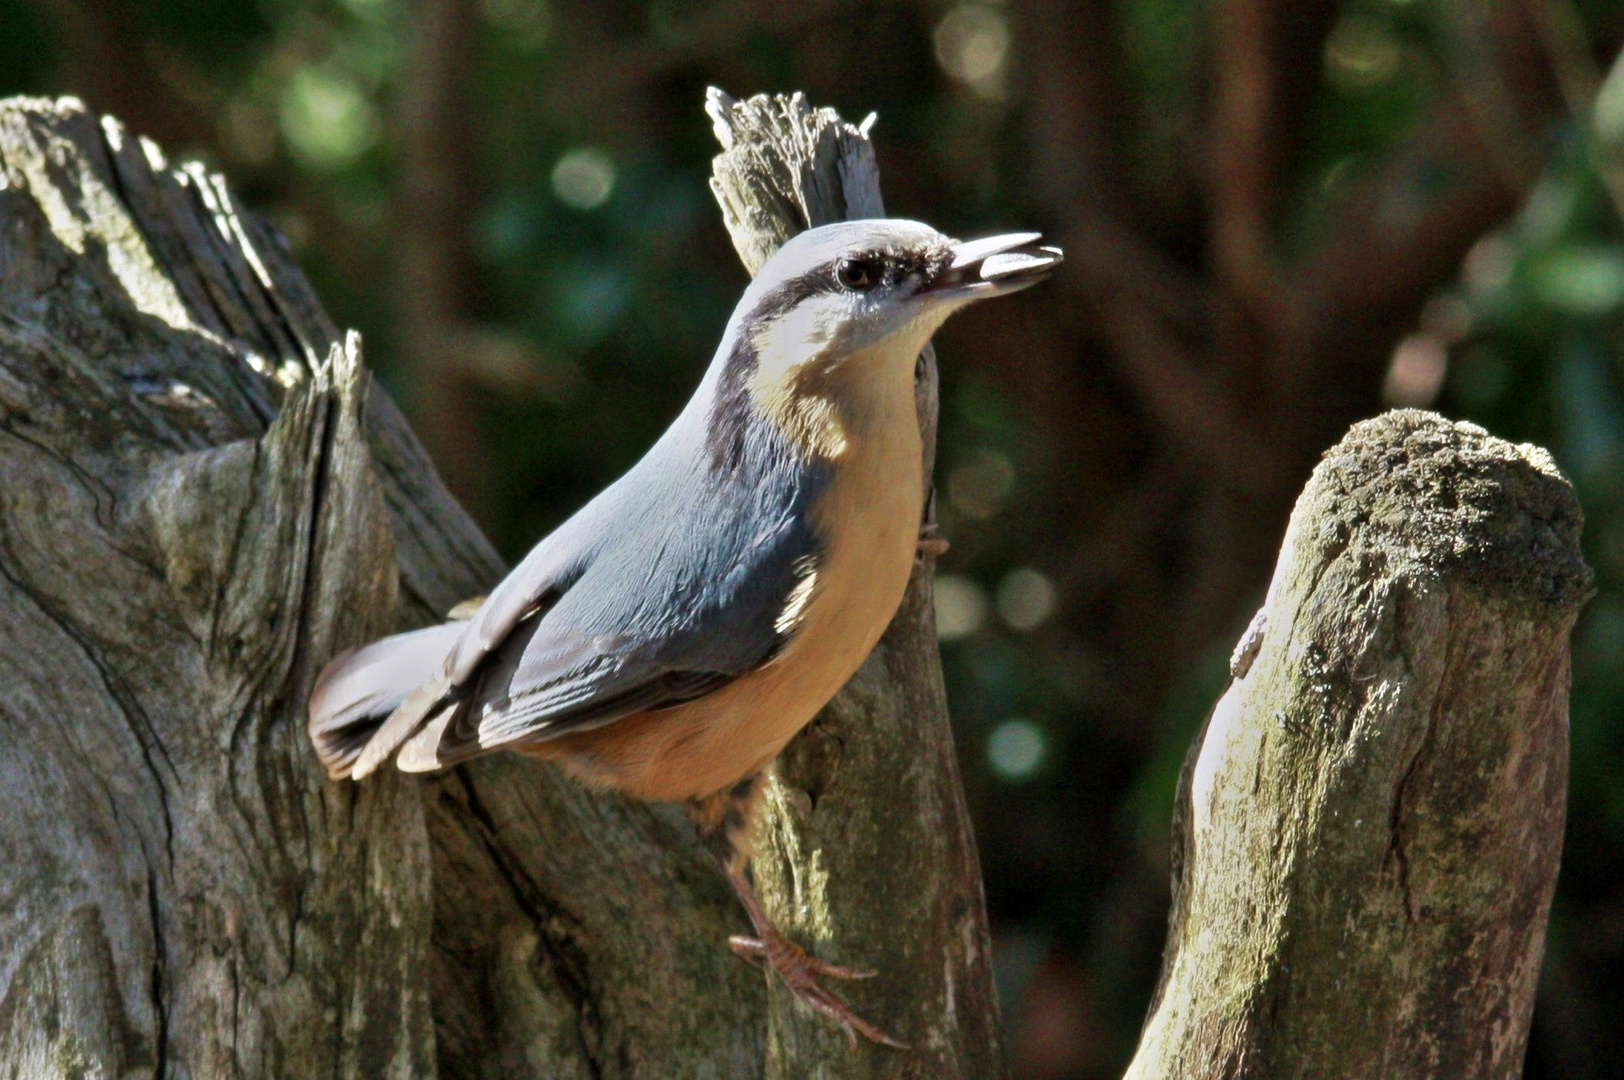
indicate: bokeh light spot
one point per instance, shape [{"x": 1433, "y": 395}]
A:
[
  {"x": 961, "y": 607},
  {"x": 1447, "y": 316},
  {"x": 1489, "y": 264},
  {"x": 1416, "y": 372},
  {"x": 1361, "y": 54},
  {"x": 1580, "y": 279},
  {"x": 1016, "y": 749},
  {"x": 584, "y": 178},
  {"x": 1548, "y": 212},
  {"x": 326, "y": 118},
  {"x": 590, "y": 300},
  {"x": 1608, "y": 113},
  {"x": 972, "y": 45},
  {"x": 1026, "y": 599}
]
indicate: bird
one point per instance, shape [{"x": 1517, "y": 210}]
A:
[{"x": 672, "y": 636}]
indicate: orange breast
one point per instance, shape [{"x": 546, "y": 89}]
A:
[{"x": 869, "y": 522}]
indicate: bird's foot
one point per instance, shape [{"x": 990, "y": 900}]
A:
[
  {"x": 801, "y": 971},
  {"x": 931, "y": 543}
]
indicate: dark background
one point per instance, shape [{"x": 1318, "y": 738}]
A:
[{"x": 1279, "y": 217}]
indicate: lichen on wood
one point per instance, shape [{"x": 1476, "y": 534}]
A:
[{"x": 1369, "y": 827}]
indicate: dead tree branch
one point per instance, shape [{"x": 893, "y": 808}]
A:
[{"x": 788, "y": 167}]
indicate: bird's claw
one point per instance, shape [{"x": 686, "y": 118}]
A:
[
  {"x": 930, "y": 543},
  {"x": 800, "y": 972},
  {"x": 755, "y": 950}
]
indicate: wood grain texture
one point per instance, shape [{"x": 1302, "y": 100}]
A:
[
  {"x": 1369, "y": 828},
  {"x": 183, "y": 897},
  {"x": 205, "y": 498}
]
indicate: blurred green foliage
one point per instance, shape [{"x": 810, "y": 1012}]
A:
[{"x": 600, "y": 280}]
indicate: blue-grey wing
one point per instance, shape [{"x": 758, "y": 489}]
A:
[
  {"x": 534, "y": 691},
  {"x": 686, "y": 599},
  {"x": 529, "y": 589}
]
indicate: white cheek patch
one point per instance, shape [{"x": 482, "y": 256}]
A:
[
  {"x": 803, "y": 333},
  {"x": 802, "y": 356},
  {"x": 792, "y": 352}
]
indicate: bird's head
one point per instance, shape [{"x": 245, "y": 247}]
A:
[
  {"x": 838, "y": 314},
  {"x": 838, "y": 290}
]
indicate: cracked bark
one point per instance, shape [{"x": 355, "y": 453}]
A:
[
  {"x": 1368, "y": 829},
  {"x": 204, "y": 499}
]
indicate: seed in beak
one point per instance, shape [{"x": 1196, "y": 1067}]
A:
[{"x": 1011, "y": 263}]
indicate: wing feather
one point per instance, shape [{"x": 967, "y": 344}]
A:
[{"x": 673, "y": 584}]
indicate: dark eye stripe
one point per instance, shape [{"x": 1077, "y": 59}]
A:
[
  {"x": 887, "y": 268},
  {"x": 791, "y": 293}
]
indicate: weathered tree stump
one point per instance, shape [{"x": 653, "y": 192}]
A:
[
  {"x": 1368, "y": 828},
  {"x": 204, "y": 498}
]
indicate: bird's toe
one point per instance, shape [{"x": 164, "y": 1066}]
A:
[{"x": 800, "y": 972}]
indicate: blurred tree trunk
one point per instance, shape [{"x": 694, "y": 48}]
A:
[
  {"x": 1239, "y": 361},
  {"x": 205, "y": 499},
  {"x": 432, "y": 218}
]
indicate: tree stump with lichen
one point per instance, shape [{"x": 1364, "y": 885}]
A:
[{"x": 1368, "y": 829}]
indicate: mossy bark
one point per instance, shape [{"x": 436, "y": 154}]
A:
[{"x": 1368, "y": 829}]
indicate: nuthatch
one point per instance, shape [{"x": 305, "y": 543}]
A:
[{"x": 674, "y": 634}]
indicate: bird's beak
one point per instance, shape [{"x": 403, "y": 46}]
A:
[{"x": 993, "y": 267}]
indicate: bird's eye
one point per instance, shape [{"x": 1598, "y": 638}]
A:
[{"x": 858, "y": 275}]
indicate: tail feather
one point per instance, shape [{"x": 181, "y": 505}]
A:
[{"x": 357, "y": 692}]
